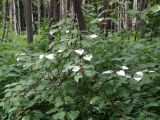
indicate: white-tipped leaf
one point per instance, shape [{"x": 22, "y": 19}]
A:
[
  {"x": 41, "y": 57},
  {"x": 67, "y": 31},
  {"x": 50, "y": 56},
  {"x": 93, "y": 36},
  {"x": 121, "y": 73},
  {"x": 60, "y": 51},
  {"x": 124, "y": 67},
  {"x": 76, "y": 68},
  {"x": 79, "y": 51},
  {"x": 87, "y": 57},
  {"x": 107, "y": 72},
  {"x": 138, "y": 76},
  {"x": 100, "y": 19}
]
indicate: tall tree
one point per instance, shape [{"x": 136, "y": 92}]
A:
[
  {"x": 79, "y": 14},
  {"x": 19, "y": 17},
  {"x": 135, "y": 7},
  {"x": 54, "y": 9},
  {"x": 64, "y": 4},
  {"x": 104, "y": 14},
  {"x": 15, "y": 17},
  {"x": 28, "y": 16},
  {"x": 51, "y": 8},
  {"x": 5, "y": 20},
  {"x": 57, "y": 10},
  {"x": 39, "y": 15}
]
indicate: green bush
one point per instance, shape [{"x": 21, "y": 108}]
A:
[{"x": 94, "y": 79}]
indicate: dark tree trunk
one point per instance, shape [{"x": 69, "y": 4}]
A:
[
  {"x": 51, "y": 9},
  {"x": 42, "y": 8},
  {"x": 28, "y": 16},
  {"x": 22, "y": 16},
  {"x": 104, "y": 25},
  {"x": 19, "y": 17},
  {"x": 57, "y": 10},
  {"x": 54, "y": 10},
  {"x": 6, "y": 20},
  {"x": 68, "y": 5},
  {"x": 79, "y": 14}
]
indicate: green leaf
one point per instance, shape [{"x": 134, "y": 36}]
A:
[
  {"x": 38, "y": 114},
  {"x": 154, "y": 104},
  {"x": 77, "y": 77},
  {"x": 155, "y": 8},
  {"x": 73, "y": 115},
  {"x": 94, "y": 100},
  {"x": 12, "y": 109},
  {"x": 68, "y": 99},
  {"x": 109, "y": 88},
  {"x": 122, "y": 91},
  {"x": 26, "y": 118},
  {"x": 0, "y": 72},
  {"x": 53, "y": 110},
  {"x": 133, "y": 12},
  {"x": 8, "y": 94},
  {"x": 53, "y": 31},
  {"x": 43, "y": 45},
  {"x": 59, "y": 115},
  {"x": 12, "y": 75},
  {"x": 94, "y": 21},
  {"x": 127, "y": 108},
  {"x": 58, "y": 102},
  {"x": 87, "y": 43},
  {"x": 89, "y": 73}
]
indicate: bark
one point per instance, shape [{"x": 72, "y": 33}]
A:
[
  {"x": 11, "y": 12},
  {"x": 19, "y": 18},
  {"x": 28, "y": 16},
  {"x": 79, "y": 14},
  {"x": 57, "y": 10},
  {"x": 42, "y": 6},
  {"x": 54, "y": 10},
  {"x": 122, "y": 15},
  {"x": 125, "y": 14},
  {"x": 5, "y": 21},
  {"x": 72, "y": 10},
  {"x": 68, "y": 5},
  {"x": 51, "y": 9},
  {"x": 15, "y": 17},
  {"x": 46, "y": 9},
  {"x": 135, "y": 7},
  {"x": 39, "y": 15},
  {"x": 21, "y": 24},
  {"x": 63, "y": 7},
  {"x": 104, "y": 24}
]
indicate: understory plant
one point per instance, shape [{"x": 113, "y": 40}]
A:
[{"x": 115, "y": 78}]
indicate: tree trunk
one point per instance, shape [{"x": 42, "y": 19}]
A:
[
  {"x": 54, "y": 10},
  {"x": 63, "y": 7},
  {"x": 51, "y": 9},
  {"x": 15, "y": 17},
  {"x": 11, "y": 12},
  {"x": 28, "y": 16},
  {"x": 19, "y": 17},
  {"x": 57, "y": 10},
  {"x": 79, "y": 14},
  {"x": 39, "y": 16},
  {"x": 135, "y": 7},
  {"x": 5, "y": 21},
  {"x": 104, "y": 24}
]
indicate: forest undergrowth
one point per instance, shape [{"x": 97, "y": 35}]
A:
[
  {"x": 85, "y": 75},
  {"x": 92, "y": 79}
]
